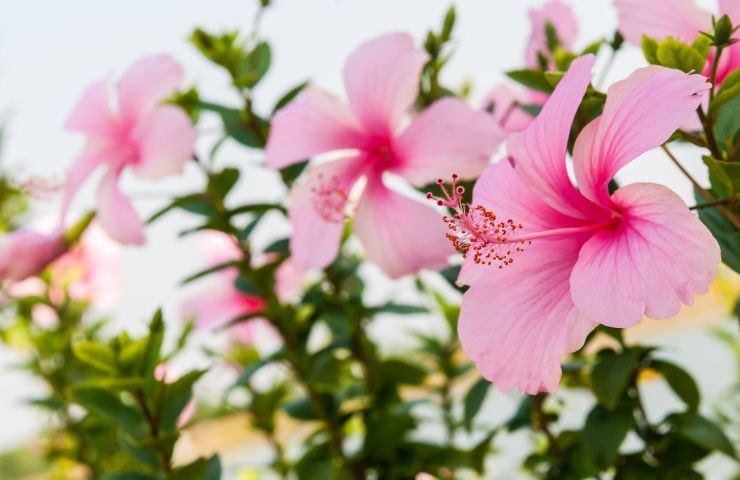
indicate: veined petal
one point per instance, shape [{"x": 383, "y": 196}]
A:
[
  {"x": 400, "y": 235},
  {"x": 166, "y": 141},
  {"x": 516, "y": 323},
  {"x": 641, "y": 112},
  {"x": 539, "y": 151},
  {"x": 659, "y": 257},
  {"x": 448, "y": 137},
  {"x": 146, "y": 83},
  {"x": 317, "y": 210},
  {"x": 566, "y": 27},
  {"x": 382, "y": 80},
  {"x": 93, "y": 115},
  {"x": 658, "y": 19},
  {"x": 116, "y": 214},
  {"x": 317, "y": 122}
]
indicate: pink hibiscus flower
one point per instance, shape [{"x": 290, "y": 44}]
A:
[
  {"x": 224, "y": 302},
  {"x": 508, "y": 118},
  {"x": 680, "y": 19},
  {"x": 151, "y": 139},
  {"x": 90, "y": 271},
  {"x": 24, "y": 253},
  {"x": 399, "y": 234},
  {"x": 547, "y": 262}
]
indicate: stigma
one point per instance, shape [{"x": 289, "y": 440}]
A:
[{"x": 477, "y": 232}]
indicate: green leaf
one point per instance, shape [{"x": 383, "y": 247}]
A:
[
  {"x": 727, "y": 125},
  {"x": 604, "y": 432},
  {"x": 245, "y": 285},
  {"x": 610, "y": 376},
  {"x": 208, "y": 271},
  {"x": 152, "y": 353},
  {"x": 279, "y": 246},
  {"x": 553, "y": 78},
  {"x": 201, "y": 469},
  {"x": 289, "y": 96},
  {"x": 531, "y": 78},
  {"x": 221, "y": 183},
  {"x": 399, "y": 371},
  {"x": 128, "y": 476},
  {"x": 702, "y": 432},
  {"x": 254, "y": 65},
  {"x": 474, "y": 401},
  {"x": 108, "y": 405},
  {"x": 724, "y": 232},
  {"x": 724, "y": 176},
  {"x": 96, "y": 354},
  {"x": 175, "y": 397},
  {"x": 523, "y": 415},
  {"x": 650, "y": 49},
  {"x": 680, "y": 382},
  {"x": 237, "y": 125},
  {"x": 399, "y": 309},
  {"x": 674, "y": 53}
]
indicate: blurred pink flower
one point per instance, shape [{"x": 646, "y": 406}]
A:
[
  {"x": 681, "y": 19},
  {"x": 561, "y": 17},
  {"x": 217, "y": 306},
  {"x": 24, "y": 253},
  {"x": 508, "y": 118},
  {"x": 90, "y": 271},
  {"x": 399, "y": 234},
  {"x": 151, "y": 139},
  {"x": 588, "y": 257}
]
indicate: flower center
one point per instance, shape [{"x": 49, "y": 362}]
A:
[
  {"x": 330, "y": 198},
  {"x": 478, "y": 230}
]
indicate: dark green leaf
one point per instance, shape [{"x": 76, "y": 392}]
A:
[
  {"x": 208, "y": 271},
  {"x": 474, "y": 401},
  {"x": 96, "y": 354},
  {"x": 278, "y": 246},
  {"x": 399, "y": 371},
  {"x": 724, "y": 232},
  {"x": 289, "y": 96},
  {"x": 610, "y": 376},
  {"x": 702, "y": 431},
  {"x": 201, "y": 469},
  {"x": 254, "y": 65},
  {"x": 604, "y": 432},
  {"x": 680, "y": 382},
  {"x": 531, "y": 78},
  {"x": 176, "y": 396},
  {"x": 108, "y": 405},
  {"x": 399, "y": 309}
]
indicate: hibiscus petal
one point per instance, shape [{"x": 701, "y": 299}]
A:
[
  {"x": 517, "y": 322},
  {"x": 382, "y": 80},
  {"x": 448, "y": 137},
  {"x": 730, "y": 8},
  {"x": 566, "y": 26},
  {"x": 641, "y": 112},
  {"x": 214, "y": 308},
  {"x": 681, "y": 19},
  {"x": 92, "y": 115},
  {"x": 84, "y": 165},
  {"x": 315, "y": 210},
  {"x": 501, "y": 191},
  {"x": 400, "y": 235},
  {"x": 166, "y": 141},
  {"x": 539, "y": 151},
  {"x": 116, "y": 214},
  {"x": 317, "y": 122},
  {"x": 149, "y": 81},
  {"x": 659, "y": 257}
]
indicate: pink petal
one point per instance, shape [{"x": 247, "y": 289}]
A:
[
  {"x": 116, "y": 214},
  {"x": 316, "y": 211},
  {"x": 517, "y": 322},
  {"x": 317, "y": 122},
  {"x": 166, "y": 141},
  {"x": 539, "y": 151},
  {"x": 508, "y": 117},
  {"x": 501, "y": 191},
  {"x": 215, "y": 308},
  {"x": 566, "y": 26},
  {"x": 149, "y": 81},
  {"x": 681, "y": 19},
  {"x": 659, "y": 257},
  {"x": 731, "y": 8},
  {"x": 382, "y": 80},
  {"x": 448, "y": 137},
  {"x": 24, "y": 253},
  {"x": 641, "y": 112},
  {"x": 84, "y": 165},
  {"x": 399, "y": 234},
  {"x": 92, "y": 115}
]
